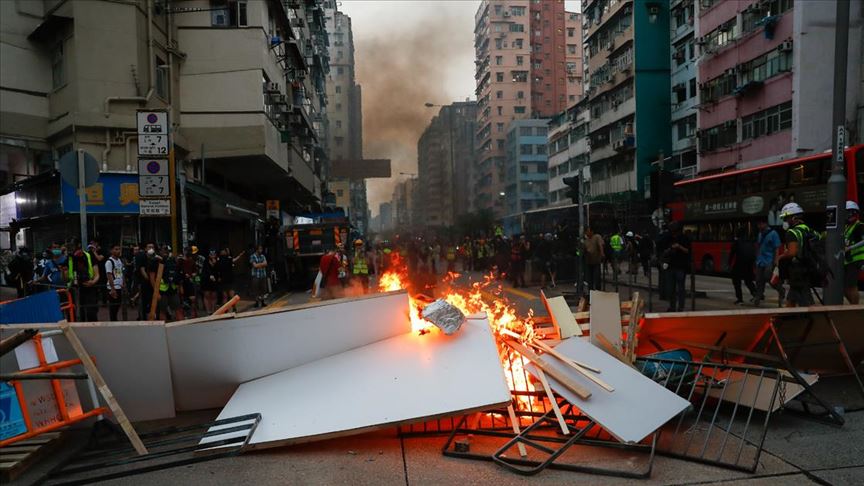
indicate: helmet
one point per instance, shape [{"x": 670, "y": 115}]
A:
[
  {"x": 629, "y": 234},
  {"x": 852, "y": 206},
  {"x": 358, "y": 242},
  {"x": 791, "y": 209},
  {"x": 194, "y": 250}
]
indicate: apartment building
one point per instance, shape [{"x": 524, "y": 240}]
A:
[
  {"x": 243, "y": 83},
  {"x": 344, "y": 111},
  {"x": 568, "y": 151},
  {"x": 527, "y": 170},
  {"x": 521, "y": 72},
  {"x": 759, "y": 102},
  {"x": 685, "y": 93},
  {"x": 445, "y": 152},
  {"x": 573, "y": 57},
  {"x": 627, "y": 44},
  {"x": 385, "y": 216}
]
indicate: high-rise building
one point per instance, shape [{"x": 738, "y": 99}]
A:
[
  {"x": 568, "y": 151},
  {"x": 521, "y": 72},
  {"x": 405, "y": 207},
  {"x": 685, "y": 95},
  {"x": 627, "y": 44},
  {"x": 385, "y": 216},
  {"x": 573, "y": 57},
  {"x": 445, "y": 153},
  {"x": 759, "y": 101},
  {"x": 344, "y": 112},
  {"x": 526, "y": 171}
]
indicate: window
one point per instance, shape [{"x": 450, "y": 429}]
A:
[
  {"x": 500, "y": 144},
  {"x": 161, "y": 78},
  {"x": 339, "y": 141},
  {"x": 571, "y": 49},
  {"x": 517, "y": 28},
  {"x": 718, "y": 87},
  {"x": 766, "y": 66},
  {"x": 340, "y": 70},
  {"x": 58, "y": 70},
  {"x": 525, "y": 149},
  {"x": 524, "y": 131},
  {"x": 520, "y": 76},
  {"x": 499, "y": 127},
  {"x": 540, "y": 150},
  {"x": 497, "y": 9},
  {"x": 520, "y": 95},
  {"x": 519, "y": 60},
  {"x": 718, "y": 136},
  {"x": 767, "y": 122},
  {"x": 571, "y": 32},
  {"x": 722, "y": 35},
  {"x": 499, "y": 77},
  {"x": 228, "y": 13},
  {"x": 338, "y": 89},
  {"x": 692, "y": 87},
  {"x": 518, "y": 109},
  {"x": 499, "y": 60},
  {"x": 517, "y": 44},
  {"x": 499, "y": 43},
  {"x": 540, "y": 131},
  {"x": 499, "y": 95},
  {"x": 338, "y": 106},
  {"x": 500, "y": 110},
  {"x": 686, "y": 127},
  {"x": 517, "y": 11},
  {"x": 338, "y": 123}
]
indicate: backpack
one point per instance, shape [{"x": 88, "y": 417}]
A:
[{"x": 814, "y": 268}]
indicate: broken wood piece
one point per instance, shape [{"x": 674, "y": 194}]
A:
[
  {"x": 96, "y": 376},
  {"x": 565, "y": 380},
  {"x": 516, "y": 430},
  {"x": 42, "y": 376},
  {"x": 610, "y": 348},
  {"x": 444, "y": 315},
  {"x": 155, "y": 286},
  {"x": 632, "y": 327},
  {"x": 549, "y": 349},
  {"x": 554, "y": 403},
  {"x": 575, "y": 365},
  {"x": 227, "y": 305},
  {"x": 16, "y": 340}
]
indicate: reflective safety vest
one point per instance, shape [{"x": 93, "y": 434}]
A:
[
  {"x": 481, "y": 250},
  {"x": 451, "y": 253},
  {"x": 616, "y": 242},
  {"x": 360, "y": 266},
  {"x": 857, "y": 254},
  {"x": 71, "y": 272},
  {"x": 169, "y": 272}
]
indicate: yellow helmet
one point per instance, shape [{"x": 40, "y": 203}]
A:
[{"x": 358, "y": 242}]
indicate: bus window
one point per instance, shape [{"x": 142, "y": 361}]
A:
[
  {"x": 806, "y": 174},
  {"x": 711, "y": 189},
  {"x": 749, "y": 182},
  {"x": 730, "y": 185},
  {"x": 774, "y": 179},
  {"x": 725, "y": 232}
]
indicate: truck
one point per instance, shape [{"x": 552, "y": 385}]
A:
[{"x": 308, "y": 239}]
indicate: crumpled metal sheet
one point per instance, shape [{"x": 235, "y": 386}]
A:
[{"x": 444, "y": 315}]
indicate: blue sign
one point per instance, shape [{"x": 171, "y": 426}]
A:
[
  {"x": 111, "y": 194},
  {"x": 11, "y": 420}
]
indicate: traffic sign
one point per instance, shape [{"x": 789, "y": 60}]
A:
[
  {"x": 152, "y": 167},
  {"x": 69, "y": 168},
  {"x": 153, "y": 122},
  {"x": 152, "y": 144},
  {"x": 154, "y": 207},
  {"x": 153, "y": 186}
]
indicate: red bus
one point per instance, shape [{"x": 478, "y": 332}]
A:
[{"x": 713, "y": 208}]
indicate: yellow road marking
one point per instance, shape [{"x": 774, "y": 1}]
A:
[{"x": 521, "y": 293}]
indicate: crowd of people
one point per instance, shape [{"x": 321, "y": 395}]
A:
[{"x": 145, "y": 282}]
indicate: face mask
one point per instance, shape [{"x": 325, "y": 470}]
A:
[
  {"x": 785, "y": 225},
  {"x": 151, "y": 252},
  {"x": 56, "y": 252}
]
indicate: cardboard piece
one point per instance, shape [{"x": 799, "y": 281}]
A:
[
  {"x": 746, "y": 390},
  {"x": 606, "y": 317},
  {"x": 210, "y": 358},
  {"x": 395, "y": 381},
  {"x": 638, "y": 407},
  {"x": 562, "y": 316},
  {"x": 133, "y": 359}
]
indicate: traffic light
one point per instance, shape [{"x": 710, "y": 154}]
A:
[{"x": 573, "y": 183}]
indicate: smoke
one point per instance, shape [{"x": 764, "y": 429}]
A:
[{"x": 408, "y": 54}]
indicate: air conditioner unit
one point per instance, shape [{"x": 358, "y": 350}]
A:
[
  {"x": 785, "y": 46},
  {"x": 280, "y": 99},
  {"x": 619, "y": 144},
  {"x": 271, "y": 88},
  {"x": 506, "y": 13}
]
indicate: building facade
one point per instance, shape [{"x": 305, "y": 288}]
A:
[
  {"x": 344, "y": 111},
  {"x": 685, "y": 93},
  {"x": 245, "y": 124},
  {"x": 568, "y": 151},
  {"x": 574, "y": 59},
  {"x": 758, "y": 102},
  {"x": 404, "y": 205},
  {"x": 527, "y": 170},
  {"x": 627, "y": 45}
]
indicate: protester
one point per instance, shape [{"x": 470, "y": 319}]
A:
[
  {"x": 191, "y": 280},
  {"x": 742, "y": 258},
  {"x": 21, "y": 271},
  {"x": 329, "y": 286},
  {"x": 616, "y": 244},
  {"x": 518, "y": 252},
  {"x": 210, "y": 281},
  {"x": 83, "y": 277},
  {"x": 854, "y": 245},
  {"x": 143, "y": 261},
  {"x": 675, "y": 249},
  {"x": 796, "y": 261},
  {"x": 169, "y": 287},
  {"x": 545, "y": 254},
  {"x": 258, "y": 262},
  {"x": 226, "y": 270},
  {"x": 115, "y": 282},
  {"x": 769, "y": 243},
  {"x": 54, "y": 270},
  {"x": 360, "y": 265},
  {"x": 594, "y": 256}
]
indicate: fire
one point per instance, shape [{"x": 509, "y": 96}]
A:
[{"x": 473, "y": 300}]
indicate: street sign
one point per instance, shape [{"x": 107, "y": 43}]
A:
[
  {"x": 155, "y": 207},
  {"x": 154, "y": 186},
  {"x": 153, "y": 122},
  {"x": 831, "y": 216},
  {"x": 69, "y": 168},
  {"x": 272, "y": 208},
  {"x": 152, "y": 167},
  {"x": 152, "y": 144}
]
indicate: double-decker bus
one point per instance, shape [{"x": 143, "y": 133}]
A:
[
  {"x": 552, "y": 219},
  {"x": 713, "y": 208}
]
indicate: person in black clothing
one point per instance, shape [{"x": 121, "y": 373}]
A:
[
  {"x": 742, "y": 258},
  {"x": 21, "y": 271},
  {"x": 674, "y": 248},
  {"x": 142, "y": 264},
  {"x": 226, "y": 271},
  {"x": 645, "y": 249},
  {"x": 211, "y": 276},
  {"x": 544, "y": 253}
]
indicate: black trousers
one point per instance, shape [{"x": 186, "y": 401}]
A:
[
  {"x": 114, "y": 305},
  {"x": 88, "y": 303}
]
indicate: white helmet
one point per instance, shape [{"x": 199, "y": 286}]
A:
[
  {"x": 629, "y": 234},
  {"x": 791, "y": 209},
  {"x": 852, "y": 206}
]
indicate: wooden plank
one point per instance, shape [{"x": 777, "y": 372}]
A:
[
  {"x": 605, "y": 317},
  {"x": 155, "y": 283},
  {"x": 552, "y": 402},
  {"x": 400, "y": 380},
  {"x": 210, "y": 359},
  {"x": 227, "y": 305},
  {"x": 638, "y": 407},
  {"x": 562, "y": 317},
  {"x": 36, "y": 448},
  {"x": 578, "y": 366},
  {"x": 529, "y": 355},
  {"x": 100, "y": 384},
  {"x": 610, "y": 348},
  {"x": 635, "y": 314}
]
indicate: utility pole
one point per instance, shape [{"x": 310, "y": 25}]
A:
[{"x": 834, "y": 246}]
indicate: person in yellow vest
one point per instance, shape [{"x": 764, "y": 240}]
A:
[
  {"x": 467, "y": 254},
  {"x": 169, "y": 293},
  {"x": 450, "y": 256},
  {"x": 83, "y": 278},
  {"x": 360, "y": 265},
  {"x": 480, "y": 255},
  {"x": 854, "y": 244},
  {"x": 616, "y": 242}
]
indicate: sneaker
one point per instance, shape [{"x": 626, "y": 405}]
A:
[
  {"x": 756, "y": 302},
  {"x": 739, "y": 302}
]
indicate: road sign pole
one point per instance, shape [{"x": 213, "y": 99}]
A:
[
  {"x": 172, "y": 184},
  {"x": 82, "y": 198},
  {"x": 833, "y": 293}
]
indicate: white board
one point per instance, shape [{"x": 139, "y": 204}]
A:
[
  {"x": 210, "y": 359},
  {"x": 132, "y": 357},
  {"x": 399, "y": 380},
  {"x": 636, "y": 408},
  {"x": 562, "y": 317},
  {"x": 605, "y": 317}
]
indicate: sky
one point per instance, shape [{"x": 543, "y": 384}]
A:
[{"x": 408, "y": 53}]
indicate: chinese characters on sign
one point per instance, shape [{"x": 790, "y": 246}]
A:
[{"x": 154, "y": 182}]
